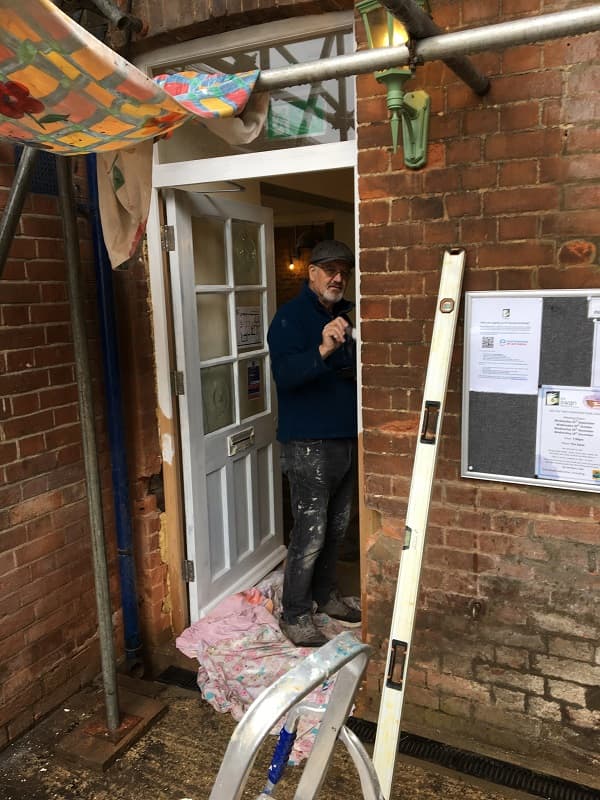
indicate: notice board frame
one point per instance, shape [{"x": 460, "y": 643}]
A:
[{"x": 506, "y": 424}]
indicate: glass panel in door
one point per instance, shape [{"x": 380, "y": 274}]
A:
[
  {"x": 213, "y": 325},
  {"x": 246, "y": 253},
  {"x": 210, "y": 264},
  {"x": 251, "y": 382},
  {"x": 217, "y": 397}
]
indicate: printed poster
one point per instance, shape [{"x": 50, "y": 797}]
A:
[
  {"x": 568, "y": 435},
  {"x": 254, "y": 389},
  {"x": 504, "y": 344},
  {"x": 249, "y": 326}
]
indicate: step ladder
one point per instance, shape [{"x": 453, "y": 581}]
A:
[{"x": 344, "y": 656}]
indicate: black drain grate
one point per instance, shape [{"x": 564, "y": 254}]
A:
[
  {"x": 176, "y": 676},
  {"x": 489, "y": 769}
]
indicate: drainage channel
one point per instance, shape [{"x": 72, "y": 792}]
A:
[{"x": 478, "y": 766}]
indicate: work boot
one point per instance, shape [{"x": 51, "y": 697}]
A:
[
  {"x": 303, "y": 632},
  {"x": 337, "y": 608}
]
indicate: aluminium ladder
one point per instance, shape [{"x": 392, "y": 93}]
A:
[{"x": 346, "y": 657}]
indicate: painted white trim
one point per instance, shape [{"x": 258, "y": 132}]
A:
[
  {"x": 160, "y": 327},
  {"x": 313, "y": 158},
  {"x": 269, "y": 33}
]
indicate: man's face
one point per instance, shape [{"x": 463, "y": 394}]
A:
[{"x": 328, "y": 281}]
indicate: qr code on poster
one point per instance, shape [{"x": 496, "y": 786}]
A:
[{"x": 487, "y": 341}]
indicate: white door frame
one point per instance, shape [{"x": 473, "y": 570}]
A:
[{"x": 314, "y": 158}]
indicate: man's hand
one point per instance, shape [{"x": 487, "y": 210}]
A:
[{"x": 334, "y": 334}]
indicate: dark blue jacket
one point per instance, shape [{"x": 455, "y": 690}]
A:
[{"x": 317, "y": 398}]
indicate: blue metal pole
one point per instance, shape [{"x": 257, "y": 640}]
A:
[{"x": 120, "y": 481}]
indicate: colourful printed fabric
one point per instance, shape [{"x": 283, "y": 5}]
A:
[
  {"x": 215, "y": 95},
  {"x": 63, "y": 90},
  {"x": 241, "y": 651}
]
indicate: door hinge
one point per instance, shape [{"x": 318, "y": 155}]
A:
[
  {"x": 178, "y": 382},
  {"x": 167, "y": 237},
  {"x": 189, "y": 574}
]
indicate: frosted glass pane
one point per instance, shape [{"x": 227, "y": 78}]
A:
[
  {"x": 213, "y": 326},
  {"x": 246, "y": 253},
  {"x": 249, "y": 321},
  {"x": 208, "y": 236},
  {"x": 253, "y": 399},
  {"x": 217, "y": 397}
]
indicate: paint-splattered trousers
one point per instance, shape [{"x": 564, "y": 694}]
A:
[{"x": 322, "y": 478}]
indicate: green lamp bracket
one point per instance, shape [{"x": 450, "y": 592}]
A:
[{"x": 412, "y": 108}]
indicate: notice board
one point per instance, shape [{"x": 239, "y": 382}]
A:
[{"x": 531, "y": 388}]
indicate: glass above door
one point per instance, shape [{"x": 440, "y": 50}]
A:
[{"x": 303, "y": 115}]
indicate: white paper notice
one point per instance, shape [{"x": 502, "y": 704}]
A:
[
  {"x": 249, "y": 326},
  {"x": 568, "y": 435},
  {"x": 504, "y": 344}
]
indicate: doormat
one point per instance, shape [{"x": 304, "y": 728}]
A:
[{"x": 177, "y": 676}]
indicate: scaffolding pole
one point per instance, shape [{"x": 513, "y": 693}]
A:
[
  {"x": 419, "y": 25},
  {"x": 14, "y": 204},
  {"x": 88, "y": 433},
  {"x": 434, "y": 48}
]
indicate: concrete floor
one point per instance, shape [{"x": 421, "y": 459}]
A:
[{"x": 179, "y": 756}]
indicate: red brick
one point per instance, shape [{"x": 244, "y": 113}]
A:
[
  {"x": 442, "y": 180},
  {"x": 520, "y": 116},
  {"x": 572, "y": 278},
  {"x": 577, "y": 252},
  {"x": 583, "y": 138},
  {"x": 520, "y": 227},
  {"x": 566, "y": 529},
  {"x": 464, "y": 151},
  {"x": 570, "y": 223},
  {"x": 534, "y": 85},
  {"x": 33, "y": 423},
  {"x": 522, "y": 144},
  {"x": 375, "y": 213},
  {"x": 463, "y": 204},
  {"x": 518, "y": 173},
  {"x": 480, "y": 120},
  {"x": 526, "y": 58},
  {"x": 38, "y": 227},
  {"x": 516, "y": 279},
  {"x": 477, "y": 230},
  {"x": 539, "y": 198},
  {"x": 401, "y": 234},
  {"x": 373, "y": 161},
  {"x": 444, "y": 233},
  {"x": 516, "y": 255},
  {"x": 479, "y": 176}
]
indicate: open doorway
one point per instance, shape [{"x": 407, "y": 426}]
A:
[
  {"x": 308, "y": 208},
  {"x": 234, "y": 242}
]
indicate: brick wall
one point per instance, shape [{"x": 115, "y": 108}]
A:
[
  {"x": 48, "y": 638},
  {"x": 208, "y": 18},
  {"x": 506, "y": 656},
  {"x": 136, "y": 353}
]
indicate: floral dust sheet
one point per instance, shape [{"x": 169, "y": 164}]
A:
[{"x": 241, "y": 651}]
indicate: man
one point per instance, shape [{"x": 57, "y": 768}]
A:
[{"x": 313, "y": 357}]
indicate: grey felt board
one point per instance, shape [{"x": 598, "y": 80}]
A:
[
  {"x": 567, "y": 342},
  {"x": 502, "y": 433}
]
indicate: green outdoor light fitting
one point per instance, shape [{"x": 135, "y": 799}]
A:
[{"x": 412, "y": 108}]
